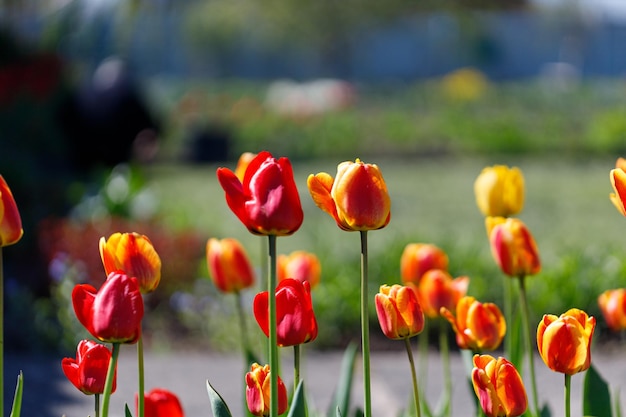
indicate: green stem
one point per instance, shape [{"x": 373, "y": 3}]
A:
[
  {"x": 1, "y": 335},
  {"x": 273, "y": 340},
  {"x": 365, "y": 339},
  {"x": 296, "y": 366},
  {"x": 416, "y": 395},
  {"x": 108, "y": 385},
  {"x": 568, "y": 383},
  {"x": 508, "y": 316},
  {"x": 140, "y": 368},
  {"x": 528, "y": 338},
  {"x": 445, "y": 360},
  {"x": 97, "y": 404},
  {"x": 242, "y": 325}
]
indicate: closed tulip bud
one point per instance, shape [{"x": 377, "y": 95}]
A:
[
  {"x": 438, "y": 289},
  {"x": 134, "y": 254},
  {"x": 399, "y": 312},
  {"x": 114, "y": 312},
  {"x": 417, "y": 258},
  {"x": 160, "y": 402},
  {"x": 513, "y": 246},
  {"x": 564, "y": 342},
  {"x": 242, "y": 164},
  {"x": 229, "y": 265},
  {"x": 499, "y": 191},
  {"x": 356, "y": 198},
  {"x": 88, "y": 372},
  {"x": 618, "y": 181},
  {"x": 10, "y": 221},
  {"x": 300, "y": 265},
  {"x": 258, "y": 391},
  {"x": 499, "y": 387},
  {"x": 478, "y": 326},
  {"x": 612, "y": 304},
  {"x": 295, "y": 319},
  {"x": 267, "y": 200}
]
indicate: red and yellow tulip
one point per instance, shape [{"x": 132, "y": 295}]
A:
[
  {"x": 612, "y": 304},
  {"x": 478, "y": 326},
  {"x": 258, "y": 391},
  {"x": 499, "y": 387},
  {"x": 417, "y": 258},
  {"x": 300, "y": 265},
  {"x": 438, "y": 289},
  {"x": 229, "y": 265},
  {"x": 10, "y": 221},
  {"x": 513, "y": 246},
  {"x": 399, "y": 312}
]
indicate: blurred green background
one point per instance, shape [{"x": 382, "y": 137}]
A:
[{"x": 115, "y": 116}]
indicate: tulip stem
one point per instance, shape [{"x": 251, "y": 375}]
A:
[
  {"x": 97, "y": 404},
  {"x": 140, "y": 368},
  {"x": 445, "y": 359},
  {"x": 525, "y": 322},
  {"x": 508, "y": 314},
  {"x": 242, "y": 325},
  {"x": 108, "y": 385},
  {"x": 296, "y": 366},
  {"x": 416, "y": 395},
  {"x": 568, "y": 380},
  {"x": 273, "y": 339},
  {"x": 365, "y": 342}
]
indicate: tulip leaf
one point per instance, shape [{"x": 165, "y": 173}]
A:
[
  {"x": 596, "y": 394},
  {"x": 127, "y": 412},
  {"x": 218, "y": 406},
  {"x": 341, "y": 397},
  {"x": 298, "y": 404},
  {"x": 17, "y": 399},
  {"x": 338, "y": 414}
]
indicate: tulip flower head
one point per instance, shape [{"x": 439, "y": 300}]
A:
[
  {"x": 88, "y": 372},
  {"x": 513, "y": 246},
  {"x": 229, "y": 265},
  {"x": 134, "y": 254},
  {"x": 113, "y": 313},
  {"x": 10, "y": 221},
  {"x": 295, "y": 319},
  {"x": 499, "y": 387},
  {"x": 160, "y": 402},
  {"x": 399, "y": 312},
  {"x": 478, "y": 326},
  {"x": 564, "y": 342},
  {"x": 267, "y": 201},
  {"x": 618, "y": 181},
  {"x": 258, "y": 391},
  {"x": 417, "y": 258},
  {"x": 499, "y": 191},
  {"x": 356, "y": 198},
  {"x": 438, "y": 289},
  {"x": 612, "y": 304},
  {"x": 300, "y": 265}
]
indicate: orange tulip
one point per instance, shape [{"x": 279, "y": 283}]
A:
[
  {"x": 417, "y": 258},
  {"x": 300, "y": 265},
  {"x": 612, "y": 304},
  {"x": 242, "y": 164},
  {"x": 564, "y": 342},
  {"x": 499, "y": 387},
  {"x": 134, "y": 254},
  {"x": 478, "y": 326},
  {"x": 229, "y": 265},
  {"x": 618, "y": 181},
  {"x": 10, "y": 221},
  {"x": 356, "y": 198},
  {"x": 399, "y": 312},
  {"x": 499, "y": 191},
  {"x": 160, "y": 402},
  {"x": 437, "y": 289},
  {"x": 258, "y": 391},
  {"x": 513, "y": 246}
]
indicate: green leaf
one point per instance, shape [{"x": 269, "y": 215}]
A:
[
  {"x": 127, "y": 412},
  {"x": 618, "y": 407},
  {"x": 341, "y": 397},
  {"x": 218, "y": 406},
  {"x": 17, "y": 399},
  {"x": 596, "y": 395},
  {"x": 298, "y": 404}
]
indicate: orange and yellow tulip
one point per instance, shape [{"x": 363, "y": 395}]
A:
[
  {"x": 438, "y": 289},
  {"x": 499, "y": 191},
  {"x": 229, "y": 265},
  {"x": 612, "y": 304},
  {"x": 618, "y": 181},
  {"x": 417, "y": 258},
  {"x": 10, "y": 221},
  {"x": 300, "y": 265},
  {"x": 499, "y": 387},
  {"x": 134, "y": 254},
  {"x": 258, "y": 391},
  {"x": 356, "y": 198},
  {"x": 564, "y": 342},
  {"x": 399, "y": 312},
  {"x": 478, "y": 326},
  {"x": 513, "y": 246}
]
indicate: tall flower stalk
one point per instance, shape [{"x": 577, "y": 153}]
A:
[
  {"x": 365, "y": 339},
  {"x": 528, "y": 341},
  {"x": 273, "y": 337},
  {"x": 108, "y": 385}
]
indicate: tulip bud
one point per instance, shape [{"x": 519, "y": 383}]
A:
[
  {"x": 612, "y": 304},
  {"x": 513, "y": 246},
  {"x": 478, "y": 326},
  {"x": 417, "y": 258},
  {"x": 88, "y": 372},
  {"x": 499, "y": 191},
  {"x": 10, "y": 221},
  {"x": 399, "y": 312},
  {"x": 258, "y": 391},
  {"x": 229, "y": 265},
  {"x": 499, "y": 387}
]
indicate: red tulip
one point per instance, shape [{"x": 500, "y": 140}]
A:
[
  {"x": 258, "y": 391},
  {"x": 229, "y": 265},
  {"x": 88, "y": 372},
  {"x": 112, "y": 314},
  {"x": 295, "y": 320},
  {"x": 417, "y": 258},
  {"x": 267, "y": 201},
  {"x": 160, "y": 402},
  {"x": 10, "y": 221},
  {"x": 499, "y": 387}
]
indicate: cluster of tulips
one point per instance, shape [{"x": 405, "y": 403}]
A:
[{"x": 262, "y": 193}]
